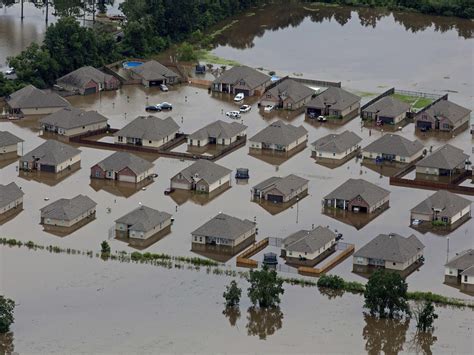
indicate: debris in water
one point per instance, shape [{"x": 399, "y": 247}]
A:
[{"x": 46, "y": 198}]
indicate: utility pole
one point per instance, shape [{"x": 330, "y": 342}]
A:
[
  {"x": 47, "y": 11},
  {"x": 93, "y": 11},
  {"x": 22, "y": 10}
]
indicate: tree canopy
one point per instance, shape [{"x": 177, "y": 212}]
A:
[
  {"x": 7, "y": 307},
  {"x": 265, "y": 287}
]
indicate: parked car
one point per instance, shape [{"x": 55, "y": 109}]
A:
[
  {"x": 163, "y": 87},
  {"x": 268, "y": 108},
  {"x": 165, "y": 106},
  {"x": 322, "y": 119},
  {"x": 233, "y": 114},
  {"x": 169, "y": 190},
  {"x": 416, "y": 222},
  {"x": 10, "y": 71},
  {"x": 245, "y": 108},
  {"x": 239, "y": 97},
  {"x": 153, "y": 108}
]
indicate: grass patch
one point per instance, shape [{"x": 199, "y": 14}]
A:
[
  {"x": 206, "y": 56},
  {"x": 415, "y": 101},
  {"x": 222, "y": 29}
]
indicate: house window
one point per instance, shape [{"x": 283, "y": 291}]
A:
[
  {"x": 200, "y": 239},
  {"x": 333, "y": 154},
  {"x": 320, "y": 154},
  {"x": 394, "y": 264},
  {"x": 97, "y": 173},
  {"x": 149, "y": 142},
  {"x": 120, "y": 139},
  {"x": 465, "y": 278},
  {"x": 446, "y": 126}
]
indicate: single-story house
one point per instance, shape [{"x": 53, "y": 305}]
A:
[
  {"x": 442, "y": 206},
  {"x": 443, "y": 115},
  {"x": 335, "y": 102},
  {"x": 336, "y": 146},
  {"x": 33, "y": 101},
  {"x": 287, "y": 94},
  {"x": 142, "y": 223},
  {"x": 66, "y": 212},
  {"x": 51, "y": 156},
  {"x": 392, "y": 147},
  {"x": 122, "y": 166},
  {"x": 309, "y": 247},
  {"x": 242, "y": 79},
  {"x": 460, "y": 270},
  {"x": 147, "y": 131},
  {"x": 389, "y": 251},
  {"x": 357, "y": 195},
  {"x": 224, "y": 230},
  {"x": 279, "y": 136},
  {"x": 153, "y": 73},
  {"x": 11, "y": 196},
  {"x": 218, "y": 132},
  {"x": 280, "y": 189},
  {"x": 71, "y": 121},
  {"x": 388, "y": 110},
  {"x": 445, "y": 161},
  {"x": 9, "y": 142},
  {"x": 88, "y": 80},
  {"x": 203, "y": 176}
]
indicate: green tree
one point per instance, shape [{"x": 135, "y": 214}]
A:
[
  {"x": 386, "y": 295},
  {"x": 8, "y": 86},
  {"x": 186, "y": 52},
  {"x": 7, "y": 307},
  {"x": 232, "y": 294},
  {"x": 265, "y": 287},
  {"x": 105, "y": 248},
  {"x": 425, "y": 316}
]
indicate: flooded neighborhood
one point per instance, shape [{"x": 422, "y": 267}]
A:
[{"x": 348, "y": 151}]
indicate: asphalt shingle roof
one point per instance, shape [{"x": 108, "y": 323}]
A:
[
  {"x": 7, "y": 138},
  {"x": 224, "y": 226},
  {"x": 206, "y": 170},
  {"x": 9, "y": 193},
  {"x": 31, "y": 97},
  {"x": 152, "y": 70},
  {"x": 82, "y": 76},
  {"x": 289, "y": 88},
  {"x": 354, "y": 187},
  {"x": 309, "y": 241},
  {"x": 121, "y": 160},
  {"x": 51, "y": 152},
  {"x": 446, "y": 108},
  {"x": 446, "y": 202},
  {"x": 337, "y": 98},
  {"x": 149, "y": 128},
  {"x": 337, "y": 143},
  {"x": 396, "y": 145},
  {"x": 285, "y": 184},
  {"x": 279, "y": 133},
  {"x": 72, "y": 117},
  {"x": 388, "y": 106},
  {"x": 462, "y": 260},
  {"x": 446, "y": 157},
  {"x": 220, "y": 130},
  {"x": 66, "y": 209},
  {"x": 143, "y": 219},
  {"x": 253, "y": 78}
]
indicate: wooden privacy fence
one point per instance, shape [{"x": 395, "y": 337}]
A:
[
  {"x": 244, "y": 260},
  {"x": 310, "y": 271}
]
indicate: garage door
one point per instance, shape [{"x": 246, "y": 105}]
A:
[
  {"x": 155, "y": 82},
  {"x": 423, "y": 125},
  {"x": 89, "y": 91},
  {"x": 126, "y": 178},
  {"x": 313, "y": 111},
  {"x": 47, "y": 168},
  {"x": 180, "y": 185},
  {"x": 388, "y": 120},
  {"x": 245, "y": 92},
  {"x": 275, "y": 198},
  {"x": 359, "y": 209}
]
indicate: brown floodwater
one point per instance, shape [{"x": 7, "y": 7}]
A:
[{"x": 140, "y": 308}]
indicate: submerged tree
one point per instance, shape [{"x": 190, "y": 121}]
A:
[
  {"x": 265, "y": 287},
  {"x": 105, "y": 248},
  {"x": 7, "y": 307},
  {"x": 425, "y": 316},
  {"x": 263, "y": 322},
  {"x": 232, "y": 294}
]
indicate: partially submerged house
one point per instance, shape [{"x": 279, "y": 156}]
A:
[
  {"x": 388, "y": 110},
  {"x": 224, "y": 230},
  {"x": 443, "y": 115},
  {"x": 71, "y": 121},
  {"x": 279, "y": 136},
  {"x": 391, "y": 252},
  {"x": 142, "y": 223},
  {"x": 147, "y": 131},
  {"x": 122, "y": 166},
  {"x": 203, "y": 176},
  {"x": 33, "y": 101},
  {"x": 87, "y": 80},
  {"x": 309, "y": 247},
  {"x": 11, "y": 197},
  {"x": 153, "y": 73},
  {"x": 443, "y": 206},
  {"x": 67, "y": 212},
  {"x": 218, "y": 132},
  {"x": 445, "y": 161},
  {"x": 334, "y": 102},
  {"x": 357, "y": 195},
  {"x": 393, "y": 147},
  {"x": 9, "y": 142},
  {"x": 51, "y": 156},
  {"x": 288, "y": 94},
  {"x": 460, "y": 270},
  {"x": 280, "y": 189},
  {"x": 242, "y": 79},
  {"x": 336, "y": 146}
]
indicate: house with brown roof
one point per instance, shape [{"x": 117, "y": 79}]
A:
[
  {"x": 242, "y": 79},
  {"x": 218, "y": 132},
  {"x": 459, "y": 270},
  {"x": 279, "y": 136},
  {"x": 288, "y": 94},
  {"x": 87, "y": 80},
  {"x": 72, "y": 121},
  {"x": 51, "y": 156},
  {"x": 11, "y": 197},
  {"x": 445, "y": 161},
  {"x": 33, "y": 101},
  {"x": 336, "y": 146},
  {"x": 122, "y": 166},
  {"x": 393, "y": 148},
  {"x": 280, "y": 189},
  {"x": 153, "y": 73},
  {"x": 334, "y": 102},
  {"x": 388, "y": 110},
  {"x": 142, "y": 223},
  {"x": 443, "y": 115},
  {"x": 9, "y": 142},
  {"x": 68, "y": 212}
]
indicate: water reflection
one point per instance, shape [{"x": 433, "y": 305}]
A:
[
  {"x": 384, "y": 335},
  {"x": 421, "y": 343},
  {"x": 6, "y": 343},
  {"x": 330, "y": 293},
  {"x": 263, "y": 322},
  {"x": 233, "y": 314}
]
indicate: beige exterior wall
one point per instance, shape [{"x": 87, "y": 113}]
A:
[
  {"x": 156, "y": 229},
  {"x": 461, "y": 214},
  {"x": 147, "y": 142},
  {"x": 329, "y": 155},
  {"x": 9, "y": 149},
  {"x": 429, "y": 171},
  {"x": 11, "y": 205},
  {"x": 379, "y": 204},
  {"x": 219, "y": 183},
  {"x": 467, "y": 280},
  {"x": 64, "y": 165},
  {"x": 40, "y": 111},
  {"x": 198, "y": 142},
  {"x": 64, "y": 223},
  {"x": 232, "y": 243},
  {"x": 398, "y": 158},
  {"x": 310, "y": 256},
  {"x": 388, "y": 264},
  {"x": 302, "y": 139},
  {"x": 83, "y": 129},
  {"x": 450, "y": 271}
]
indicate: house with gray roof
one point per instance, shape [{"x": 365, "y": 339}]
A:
[
  {"x": 242, "y": 79},
  {"x": 279, "y": 136},
  {"x": 33, "y": 101},
  {"x": 388, "y": 110},
  {"x": 142, "y": 223},
  {"x": 87, "y": 80},
  {"x": 391, "y": 252},
  {"x": 153, "y": 73},
  {"x": 9, "y": 142},
  {"x": 393, "y": 148},
  {"x": 288, "y": 94},
  {"x": 445, "y": 161},
  {"x": 68, "y": 212},
  {"x": 11, "y": 197},
  {"x": 51, "y": 156},
  {"x": 280, "y": 189},
  {"x": 460, "y": 270},
  {"x": 309, "y": 247},
  {"x": 334, "y": 102},
  {"x": 123, "y": 166},
  {"x": 218, "y": 132},
  {"x": 224, "y": 230},
  {"x": 72, "y": 121},
  {"x": 203, "y": 176},
  {"x": 358, "y": 195},
  {"x": 147, "y": 131},
  {"x": 443, "y": 115},
  {"x": 336, "y": 146},
  {"x": 442, "y": 206}
]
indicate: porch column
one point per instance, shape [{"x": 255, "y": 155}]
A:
[{"x": 344, "y": 204}]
